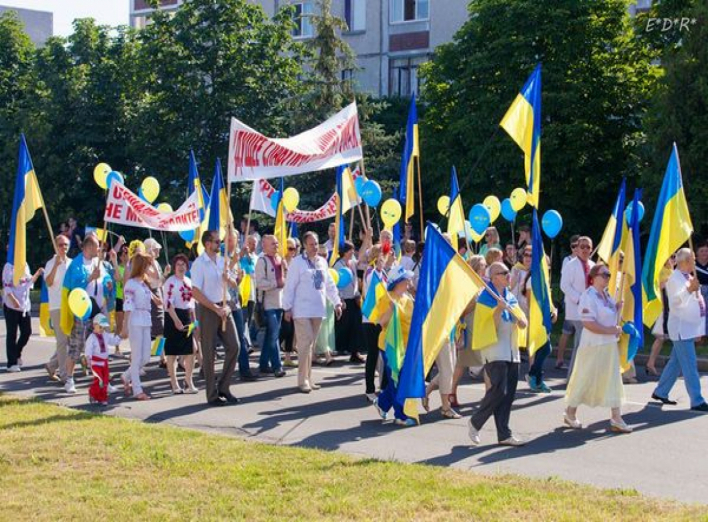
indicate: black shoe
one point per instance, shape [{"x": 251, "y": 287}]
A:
[
  {"x": 227, "y": 397},
  {"x": 250, "y": 351},
  {"x": 701, "y": 407},
  {"x": 248, "y": 377},
  {"x": 280, "y": 373},
  {"x": 219, "y": 401},
  {"x": 664, "y": 400},
  {"x": 266, "y": 370}
]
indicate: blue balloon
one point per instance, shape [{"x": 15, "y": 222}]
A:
[
  {"x": 552, "y": 223},
  {"x": 371, "y": 193},
  {"x": 479, "y": 218},
  {"x": 275, "y": 198},
  {"x": 142, "y": 196},
  {"x": 628, "y": 212},
  {"x": 187, "y": 235},
  {"x": 247, "y": 265},
  {"x": 345, "y": 277},
  {"x": 359, "y": 184},
  {"x": 114, "y": 176},
  {"x": 630, "y": 329},
  {"x": 507, "y": 211}
]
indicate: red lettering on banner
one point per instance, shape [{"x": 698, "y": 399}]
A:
[{"x": 114, "y": 210}]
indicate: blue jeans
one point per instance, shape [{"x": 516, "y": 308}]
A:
[
  {"x": 243, "y": 367},
  {"x": 539, "y": 358},
  {"x": 682, "y": 361},
  {"x": 270, "y": 351}
]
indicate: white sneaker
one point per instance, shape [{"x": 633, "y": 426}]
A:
[
  {"x": 382, "y": 413},
  {"x": 19, "y": 362},
  {"x": 512, "y": 441},
  {"x": 112, "y": 389},
  {"x": 474, "y": 434},
  {"x": 69, "y": 386},
  {"x": 14, "y": 368},
  {"x": 371, "y": 397}
]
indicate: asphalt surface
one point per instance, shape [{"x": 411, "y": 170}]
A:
[{"x": 665, "y": 457}]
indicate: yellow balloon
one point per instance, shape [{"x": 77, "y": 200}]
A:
[
  {"x": 477, "y": 237},
  {"x": 100, "y": 172},
  {"x": 443, "y": 205},
  {"x": 165, "y": 207},
  {"x": 494, "y": 206},
  {"x": 334, "y": 274},
  {"x": 79, "y": 302},
  {"x": 390, "y": 212},
  {"x": 151, "y": 188},
  {"x": 518, "y": 199},
  {"x": 291, "y": 198}
]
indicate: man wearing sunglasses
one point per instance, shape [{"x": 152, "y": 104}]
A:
[
  {"x": 567, "y": 327},
  {"x": 54, "y": 271},
  {"x": 575, "y": 279}
]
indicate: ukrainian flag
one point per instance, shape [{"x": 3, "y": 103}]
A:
[
  {"x": 350, "y": 198},
  {"x": 394, "y": 347},
  {"x": 374, "y": 295},
  {"x": 609, "y": 248},
  {"x": 281, "y": 227},
  {"x": 446, "y": 286},
  {"x": 27, "y": 199},
  {"x": 339, "y": 225},
  {"x": 523, "y": 123},
  {"x": 411, "y": 152},
  {"x": 670, "y": 229},
  {"x": 218, "y": 212},
  {"x": 456, "y": 214},
  {"x": 45, "y": 323},
  {"x": 194, "y": 184},
  {"x": 539, "y": 298},
  {"x": 632, "y": 287}
]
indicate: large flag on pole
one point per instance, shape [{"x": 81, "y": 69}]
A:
[
  {"x": 523, "y": 123},
  {"x": 630, "y": 343},
  {"x": 446, "y": 286},
  {"x": 217, "y": 216},
  {"x": 539, "y": 298},
  {"x": 670, "y": 229},
  {"x": 339, "y": 225},
  {"x": 194, "y": 184},
  {"x": 609, "y": 248},
  {"x": 411, "y": 151},
  {"x": 456, "y": 214},
  {"x": 27, "y": 199}
]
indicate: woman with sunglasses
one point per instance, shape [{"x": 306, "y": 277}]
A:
[
  {"x": 491, "y": 237},
  {"x": 597, "y": 379}
]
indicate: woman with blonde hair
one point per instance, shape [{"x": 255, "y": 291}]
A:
[{"x": 491, "y": 238}]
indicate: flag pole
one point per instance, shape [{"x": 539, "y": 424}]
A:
[
  {"x": 351, "y": 224},
  {"x": 49, "y": 227},
  {"x": 420, "y": 197},
  {"x": 695, "y": 275},
  {"x": 366, "y": 206},
  {"x": 226, "y": 246}
]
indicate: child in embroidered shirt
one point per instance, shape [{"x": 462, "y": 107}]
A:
[{"x": 97, "y": 357}]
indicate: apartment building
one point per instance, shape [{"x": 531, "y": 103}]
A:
[{"x": 39, "y": 25}]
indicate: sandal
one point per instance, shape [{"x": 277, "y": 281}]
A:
[
  {"x": 450, "y": 414},
  {"x": 142, "y": 397},
  {"x": 425, "y": 401},
  {"x": 127, "y": 388}
]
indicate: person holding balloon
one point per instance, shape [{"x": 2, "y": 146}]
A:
[
  {"x": 347, "y": 330},
  {"x": 54, "y": 271}
]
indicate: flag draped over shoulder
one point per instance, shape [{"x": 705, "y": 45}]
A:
[
  {"x": 609, "y": 248},
  {"x": 394, "y": 347},
  {"x": 218, "y": 212},
  {"x": 374, "y": 295},
  {"x": 26, "y": 200},
  {"x": 631, "y": 290},
  {"x": 523, "y": 123},
  {"x": 411, "y": 151},
  {"x": 446, "y": 286},
  {"x": 339, "y": 225},
  {"x": 281, "y": 227},
  {"x": 456, "y": 214},
  {"x": 539, "y": 299},
  {"x": 670, "y": 229}
]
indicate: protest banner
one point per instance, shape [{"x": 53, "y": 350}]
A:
[{"x": 123, "y": 207}]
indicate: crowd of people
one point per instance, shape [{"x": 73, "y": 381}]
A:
[{"x": 242, "y": 295}]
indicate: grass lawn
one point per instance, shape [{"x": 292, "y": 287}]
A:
[{"x": 63, "y": 464}]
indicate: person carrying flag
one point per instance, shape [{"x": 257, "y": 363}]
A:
[{"x": 54, "y": 270}]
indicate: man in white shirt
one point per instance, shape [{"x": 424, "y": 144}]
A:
[
  {"x": 687, "y": 319},
  {"x": 567, "y": 327},
  {"x": 307, "y": 285},
  {"x": 574, "y": 281},
  {"x": 54, "y": 272},
  {"x": 208, "y": 283}
]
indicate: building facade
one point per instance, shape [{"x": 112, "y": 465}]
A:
[{"x": 39, "y": 25}]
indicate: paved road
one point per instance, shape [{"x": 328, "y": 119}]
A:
[{"x": 665, "y": 457}]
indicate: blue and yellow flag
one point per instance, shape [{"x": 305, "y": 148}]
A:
[
  {"x": 609, "y": 248},
  {"x": 45, "y": 324},
  {"x": 27, "y": 199},
  {"x": 523, "y": 123},
  {"x": 281, "y": 227},
  {"x": 350, "y": 198},
  {"x": 539, "y": 299},
  {"x": 339, "y": 224},
  {"x": 411, "y": 152},
  {"x": 374, "y": 295},
  {"x": 218, "y": 212},
  {"x": 395, "y": 349},
  {"x": 194, "y": 184},
  {"x": 670, "y": 229},
  {"x": 629, "y": 344},
  {"x": 445, "y": 287},
  {"x": 456, "y": 214}
]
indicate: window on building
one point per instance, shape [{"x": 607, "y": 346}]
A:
[
  {"x": 403, "y": 76},
  {"x": 409, "y": 10},
  {"x": 355, "y": 14},
  {"x": 304, "y": 28}
]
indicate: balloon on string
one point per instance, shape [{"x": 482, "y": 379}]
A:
[
  {"x": 187, "y": 235},
  {"x": 359, "y": 184},
  {"x": 335, "y": 275},
  {"x": 518, "y": 199},
  {"x": 345, "y": 277},
  {"x": 494, "y": 206},
  {"x": 275, "y": 198},
  {"x": 390, "y": 212},
  {"x": 165, "y": 208},
  {"x": 507, "y": 211},
  {"x": 114, "y": 176},
  {"x": 628, "y": 212},
  {"x": 552, "y": 223},
  {"x": 443, "y": 205},
  {"x": 100, "y": 173},
  {"x": 151, "y": 189},
  {"x": 80, "y": 303},
  {"x": 479, "y": 218},
  {"x": 371, "y": 193},
  {"x": 291, "y": 199}
]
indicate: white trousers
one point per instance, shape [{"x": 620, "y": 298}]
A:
[{"x": 140, "y": 348}]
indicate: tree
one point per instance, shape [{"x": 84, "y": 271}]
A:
[{"x": 596, "y": 78}]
